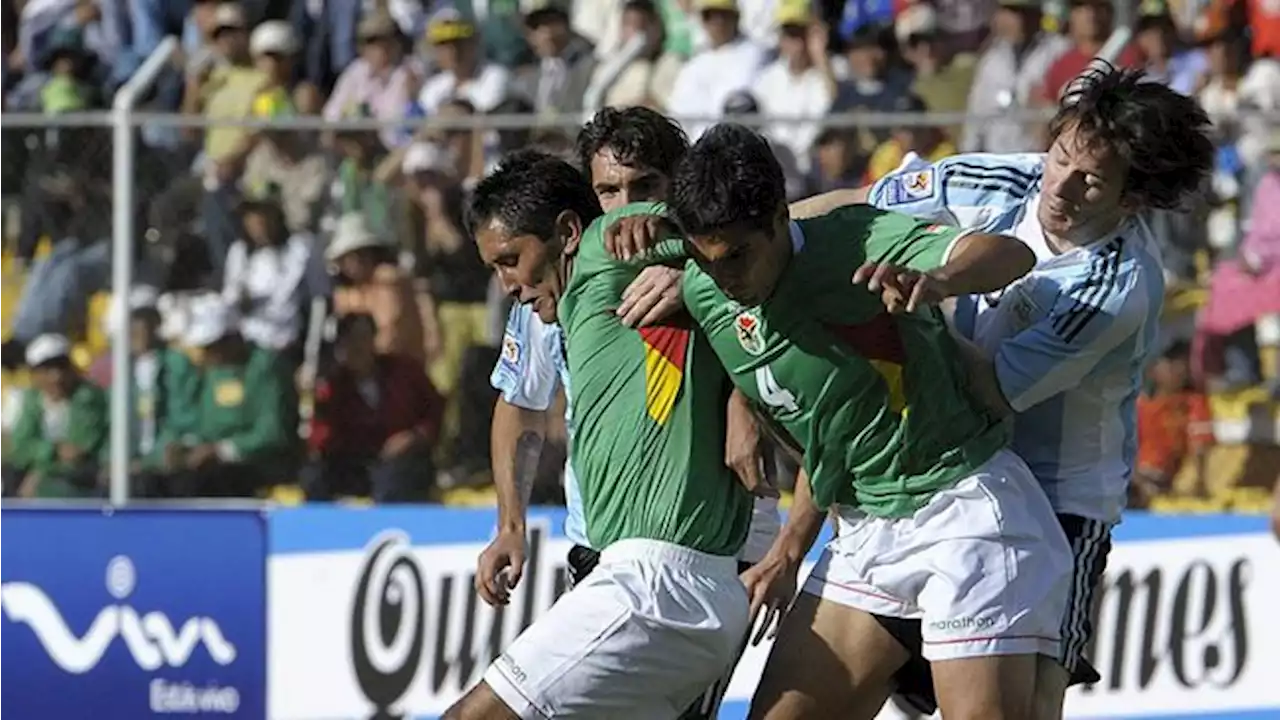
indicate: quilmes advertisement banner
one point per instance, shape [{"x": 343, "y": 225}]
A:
[
  {"x": 372, "y": 615},
  {"x": 133, "y": 614}
]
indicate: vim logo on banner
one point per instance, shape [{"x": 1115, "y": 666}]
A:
[
  {"x": 397, "y": 607},
  {"x": 151, "y": 639}
]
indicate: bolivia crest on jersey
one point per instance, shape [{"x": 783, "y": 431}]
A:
[{"x": 750, "y": 336}]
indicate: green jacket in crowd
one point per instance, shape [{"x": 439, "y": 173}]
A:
[
  {"x": 30, "y": 451},
  {"x": 252, "y": 407},
  {"x": 170, "y": 404}
]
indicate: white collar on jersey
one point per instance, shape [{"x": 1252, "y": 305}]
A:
[{"x": 797, "y": 237}]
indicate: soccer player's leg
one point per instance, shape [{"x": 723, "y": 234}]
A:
[
  {"x": 833, "y": 657},
  {"x": 1090, "y": 545},
  {"x": 643, "y": 634},
  {"x": 998, "y": 569}
]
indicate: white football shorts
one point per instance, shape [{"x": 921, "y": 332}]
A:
[
  {"x": 985, "y": 566},
  {"x": 641, "y": 637}
]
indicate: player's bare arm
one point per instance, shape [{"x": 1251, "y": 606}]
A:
[
  {"x": 516, "y": 440},
  {"x": 745, "y": 450},
  {"x": 771, "y": 583},
  {"x": 979, "y": 263}
]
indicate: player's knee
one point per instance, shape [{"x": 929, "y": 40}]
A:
[{"x": 480, "y": 703}]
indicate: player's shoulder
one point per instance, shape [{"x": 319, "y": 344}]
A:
[{"x": 989, "y": 177}]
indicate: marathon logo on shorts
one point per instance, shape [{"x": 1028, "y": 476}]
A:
[
  {"x": 750, "y": 336},
  {"x": 909, "y": 187},
  {"x": 952, "y": 625}
]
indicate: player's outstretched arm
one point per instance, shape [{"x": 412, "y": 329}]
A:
[
  {"x": 516, "y": 439},
  {"x": 976, "y": 263}
]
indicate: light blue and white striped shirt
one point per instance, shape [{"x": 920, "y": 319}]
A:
[
  {"x": 1069, "y": 340},
  {"x": 531, "y": 368}
]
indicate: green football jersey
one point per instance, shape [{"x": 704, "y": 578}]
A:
[
  {"x": 878, "y": 403},
  {"x": 648, "y": 410}
]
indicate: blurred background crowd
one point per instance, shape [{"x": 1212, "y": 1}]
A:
[{"x": 310, "y": 320}]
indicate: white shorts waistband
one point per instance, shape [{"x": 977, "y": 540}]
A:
[{"x": 669, "y": 555}]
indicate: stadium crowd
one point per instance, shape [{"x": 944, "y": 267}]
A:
[{"x": 312, "y": 320}]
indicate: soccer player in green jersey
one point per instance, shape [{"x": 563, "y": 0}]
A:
[
  {"x": 939, "y": 523},
  {"x": 663, "y": 613}
]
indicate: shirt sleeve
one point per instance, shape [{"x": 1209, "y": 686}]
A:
[
  {"x": 909, "y": 242},
  {"x": 959, "y": 190},
  {"x": 1086, "y": 324},
  {"x": 527, "y": 373}
]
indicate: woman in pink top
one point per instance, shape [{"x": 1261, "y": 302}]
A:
[
  {"x": 370, "y": 282},
  {"x": 1247, "y": 288}
]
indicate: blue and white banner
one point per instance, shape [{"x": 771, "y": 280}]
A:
[
  {"x": 373, "y": 614},
  {"x": 133, "y": 614}
]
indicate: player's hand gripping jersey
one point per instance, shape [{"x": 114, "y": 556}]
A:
[
  {"x": 878, "y": 403},
  {"x": 649, "y": 413}
]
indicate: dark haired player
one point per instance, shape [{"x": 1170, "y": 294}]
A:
[
  {"x": 663, "y": 613},
  {"x": 940, "y": 523},
  {"x": 1069, "y": 340}
]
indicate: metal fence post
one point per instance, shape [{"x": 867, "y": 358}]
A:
[{"x": 122, "y": 243}]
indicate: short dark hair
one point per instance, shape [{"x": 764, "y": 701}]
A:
[
  {"x": 526, "y": 193},
  {"x": 729, "y": 178},
  {"x": 1161, "y": 134},
  {"x": 637, "y": 136}
]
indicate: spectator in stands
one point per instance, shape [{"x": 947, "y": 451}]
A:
[
  {"x": 461, "y": 69},
  {"x": 565, "y": 60},
  {"x": 743, "y": 103},
  {"x": 291, "y": 161},
  {"x": 328, "y": 34},
  {"x": 795, "y": 86},
  {"x": 1089, "y": 26},
  {"x": 376, "y": 422},
  {"x": 1174, "y": 427},
  {"x": 836, "y": 163},
  {"x": 381, "y": 83},
  {"x": 69, "y": 66},
  {"x": 1167, "y": 62},
  {"x": 370, "y": 282},
  {"x": 61, "y": 429},
  {"x": 225, "y": 92},
  {"x": 266, "y": 271},
  {"x": 144, "y": 24},
  {"x": 1007, "y": 78},
  {"x": 1245, "y": 290},
  {"x": 864, "y": 80},
  {"x": 360, "y": 188},
  {"x": 650, "y": 79},
  {"x": 273, "y": 47},
  {"x": 729, "y": 64},
  {"x": 164, "y": 386},
  {"x": 927, "y": 141},
  {"x": 449, "y": 263},
  {"x": 943, "y": 78},
  {"x": 244, "y": 423}
]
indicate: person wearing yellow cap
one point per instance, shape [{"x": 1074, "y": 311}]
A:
[
  {"x": 794, "y": 87},
  {"x": 61, "y": 429},
  {"x": 461, "y": 70}
]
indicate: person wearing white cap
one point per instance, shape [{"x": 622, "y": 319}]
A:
[
  {"x": 61, "y": 431},
  {"x": 370, "y": 281},
  {"x": 238, "y": 435}
]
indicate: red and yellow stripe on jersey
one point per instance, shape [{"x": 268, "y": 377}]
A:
[{"x": 665, "y": 350}]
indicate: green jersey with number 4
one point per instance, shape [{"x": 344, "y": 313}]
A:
[
  {"x": 879, "y": 404},
  {"x": 648, "y": 411}
]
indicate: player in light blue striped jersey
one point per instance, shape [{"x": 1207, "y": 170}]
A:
[{"x": 1068, "y": 342}]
